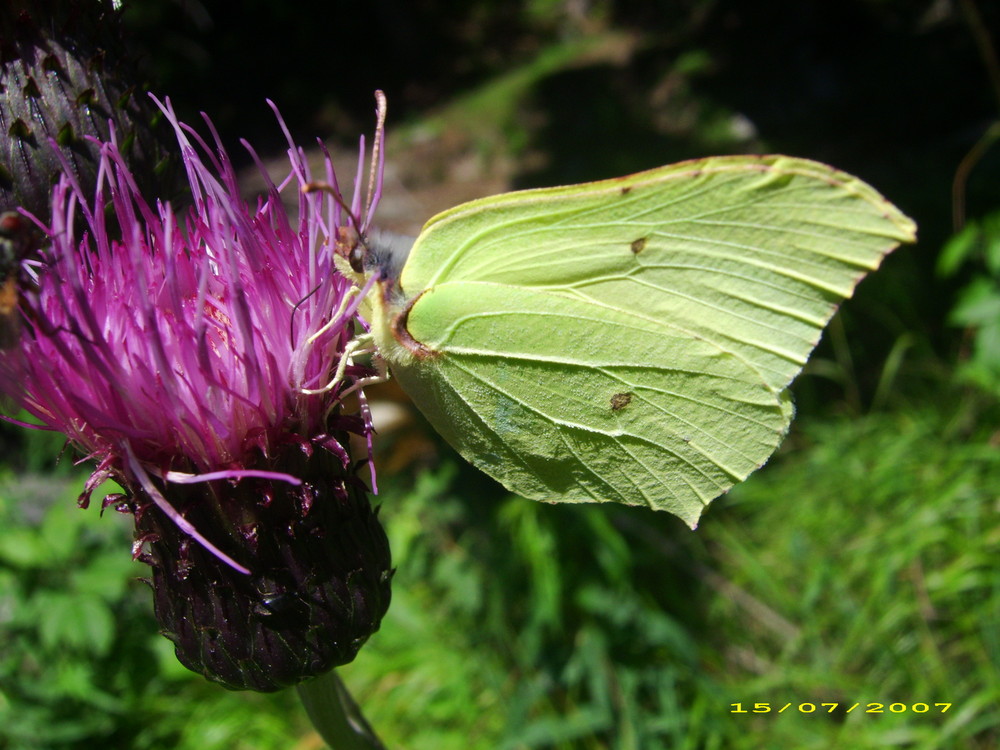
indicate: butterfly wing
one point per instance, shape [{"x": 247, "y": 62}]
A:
[{"x": 631, "y": 340}]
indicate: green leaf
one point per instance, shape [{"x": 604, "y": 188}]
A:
[
  {"x": 990, "y": 229},
  {"x": 959, "y": 248},
  {"x": 977, "y": 240},
  {"x": 630, "y": 340},
  {"x": 22, "y": 547},
  {"x": 107, "y": 574},
  {"x": 80, "y": 622},
  {"x": 978, "y": 304},
  {"x": 61, "y": 528}
]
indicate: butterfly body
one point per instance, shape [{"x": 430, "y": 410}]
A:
[{"x": 17, "y": 241}]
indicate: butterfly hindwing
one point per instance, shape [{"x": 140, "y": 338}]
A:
[{"x": 518, "y": 386}]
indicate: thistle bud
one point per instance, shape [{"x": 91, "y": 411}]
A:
[
  {"x": 64, "y": 75},
  {"x": 319, "y": 575}
]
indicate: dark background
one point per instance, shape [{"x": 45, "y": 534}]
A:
[{"x": 896, "y": 92}]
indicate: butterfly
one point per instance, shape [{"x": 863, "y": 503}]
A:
[
  {"x": 18, "y": 239},
  {"x": 629, "y": 340}
]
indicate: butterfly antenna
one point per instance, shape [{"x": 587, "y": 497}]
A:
[
  {"x": 377, "y": 167},
  {"x": 320, "y": 186}
]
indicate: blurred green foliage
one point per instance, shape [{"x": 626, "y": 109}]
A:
[
  {"x": 858, "y": 568},
  {"x": 975, "y": 252},
  {"x": 81, "y": 662}
]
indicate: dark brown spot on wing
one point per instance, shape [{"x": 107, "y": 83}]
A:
[{"x": 620, "y": 400}]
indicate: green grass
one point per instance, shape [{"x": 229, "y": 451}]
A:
[
  {"x": 870, "y": 558},
  {"x": 491, "y": 114}
]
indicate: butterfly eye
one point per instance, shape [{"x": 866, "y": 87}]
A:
[
  {"x": 351, "y": 246},
  {"x": 349, "y": 243}
]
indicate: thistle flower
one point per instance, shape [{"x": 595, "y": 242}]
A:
[{"x": 205, "y": 361}]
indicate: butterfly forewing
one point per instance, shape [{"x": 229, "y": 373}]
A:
[{"x": 751, "y": 253}]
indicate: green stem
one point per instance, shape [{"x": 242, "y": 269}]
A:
[{"x": 335, "y": 715}]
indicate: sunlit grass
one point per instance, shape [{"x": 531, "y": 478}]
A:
[
  {"x": 874, "y": 546},
  {"x": 856, "y": 569}
]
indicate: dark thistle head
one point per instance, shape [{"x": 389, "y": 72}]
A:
[{"x": 66, "y": 77}]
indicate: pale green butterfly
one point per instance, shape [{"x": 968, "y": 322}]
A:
[{"x": 630, "y": 340}]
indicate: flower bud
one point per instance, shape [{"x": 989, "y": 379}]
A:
[
  {"x": 319, "y": 583},
  {"x": 64, "y": 74}
]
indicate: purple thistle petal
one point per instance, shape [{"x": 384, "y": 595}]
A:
[
  {"x": 185, "y": 344},
  {"x": 180, "y": 478}
]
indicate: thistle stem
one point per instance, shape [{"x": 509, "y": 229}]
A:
[{"x": 335, "y": 715}]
